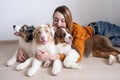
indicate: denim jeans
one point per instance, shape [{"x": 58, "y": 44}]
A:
[{"x": 112, "y": 31}]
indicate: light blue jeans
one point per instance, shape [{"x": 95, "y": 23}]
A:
[{"x": 107, "y": 29}]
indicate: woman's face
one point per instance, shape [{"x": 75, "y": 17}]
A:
[{"x": 59, "y": 20}]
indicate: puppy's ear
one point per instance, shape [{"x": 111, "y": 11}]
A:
[
  {"x": 48, "y": 24},
  {"x": 35, "y": 32},
  {"x": 52, "y": 29},
  {"x": 27, "y": 24}
]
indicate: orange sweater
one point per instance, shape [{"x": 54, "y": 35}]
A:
[{"x": 80, "y": 34}]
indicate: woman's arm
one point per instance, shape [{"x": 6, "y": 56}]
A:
[
  {"x": 44, "y": 55},
  {"x": 22, "y": 55}
]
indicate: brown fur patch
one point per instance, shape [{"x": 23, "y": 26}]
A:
[{"x": 100, "y": 46}]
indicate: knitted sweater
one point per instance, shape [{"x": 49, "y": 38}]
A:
[{"x": 80, "y": 34}]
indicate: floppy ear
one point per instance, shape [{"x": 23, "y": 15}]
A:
[
  {"x": 52, "y": 29},
  {"x": 48, "y": 24},
  {"x": 56, "y": 37},
  {"x": 35, "y": 35}
]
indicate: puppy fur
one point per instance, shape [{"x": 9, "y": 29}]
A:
[
  {"x": 43, "y": 40},
  {"x": 100, "y": 46},
  {"x": 63, "y": 41},
  {"x": 25, "y": 41}
]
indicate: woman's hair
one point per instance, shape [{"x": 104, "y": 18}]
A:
[{"x": 67, "y": 14}]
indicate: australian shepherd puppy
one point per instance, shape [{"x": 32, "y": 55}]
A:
[
  {"x": 100, "y": 46},
  {"x": 25, "y": 34},
  {"x": 43, "y": 40},
  {"x": 63, "y": 42}
]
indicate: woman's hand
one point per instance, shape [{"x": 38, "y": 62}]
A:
[
  {"x": 22, "y": 56},
  {"x": 44, "y": 55}
]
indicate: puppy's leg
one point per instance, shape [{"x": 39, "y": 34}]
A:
[
  {"x": 71, "y": 59},
  {"x": 104, "y": 54},
  {"x": 47, "y": 63},
  {"x": 13, "y": 60},
  {"x": 118, "y": 56},
  {"x": 24, "y": 64},
  {"x": 57, "y": 65},
  {"x": 112, "y": 59},
  {"x": 111, "y": 56},
  {"x": 35, "y": 66}
]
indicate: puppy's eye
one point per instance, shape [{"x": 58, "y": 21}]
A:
[
  {"x": 46, "y": 31},
  {"x": 22, "y": 30},
  {"x": 39, "y": 32}
]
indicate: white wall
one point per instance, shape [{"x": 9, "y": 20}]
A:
[{"x": 40, "y": 12}]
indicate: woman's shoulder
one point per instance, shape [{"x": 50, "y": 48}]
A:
[{"x": 76, "y": 26}]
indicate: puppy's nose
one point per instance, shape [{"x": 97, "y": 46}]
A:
[
  {"x": 14, "y": 26},
  {"x": 42, "y": 38}
]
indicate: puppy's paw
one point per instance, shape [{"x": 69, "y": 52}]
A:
[
  {"x": 20, "y": 67},
  {"x": 111, "y": 60},
  {"x": 31, "y": 72},
  {"x": 118, "y": 56},
  {"x": 47, "y": 63},
  {"x": 78, "y": 67},
  {"x": 55, "y": 71},
  {"x": 72, "y": 65},
  {"x": 11, "y": 62}
]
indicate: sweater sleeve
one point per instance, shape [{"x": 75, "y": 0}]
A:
[{"x": 79, "y": 42}]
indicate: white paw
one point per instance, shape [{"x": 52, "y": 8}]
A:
[
  {"x": 11, "y": 62},
  {"x": 47, "y": 64},
  {"x": 71, "y": 65},
  {"x": 111, "y": 60},
  {"x": 118, "y": 56},
  {"x": 20, "y": 67},
  {"x": 31, "y": 72},
  {"x": 77, "y": 67},
  {"x": 55, "y": 71}
]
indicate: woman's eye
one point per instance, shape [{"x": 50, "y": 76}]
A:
[
  {"x": 62, "y": 20},
  {"x": 56, "y": 20}
]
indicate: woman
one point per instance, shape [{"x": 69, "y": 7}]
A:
[{"x": 62, "y": 18}]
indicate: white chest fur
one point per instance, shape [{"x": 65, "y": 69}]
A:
[
  {"x": 26, "y": 46},
  {"x": 49, "y": 47},
  {"x": 63, "y": 48}
]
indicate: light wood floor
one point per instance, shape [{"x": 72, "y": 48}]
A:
[{"x": 92, "y": 68}]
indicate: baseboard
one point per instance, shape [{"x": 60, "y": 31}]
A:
[{"x": 2, "y": 42}]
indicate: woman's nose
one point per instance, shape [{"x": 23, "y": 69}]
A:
[{"x": 59, "y": 24}]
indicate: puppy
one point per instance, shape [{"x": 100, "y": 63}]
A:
[
  {"x": 43, "y": 40},
  {"x": 25, "y": 41},
  {"x": 63, "y": 42},
  {"x": 100, "y": 46}
]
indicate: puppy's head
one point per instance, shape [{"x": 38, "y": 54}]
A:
[
  {"x": 25, "y": 32},
  {"x": 43, "y": 34},
  {"x": 62, "y": 35}
]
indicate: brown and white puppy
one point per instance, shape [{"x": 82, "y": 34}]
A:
[
  {"x": 63, "y": 42},
  {"x": 43, "y": 40},
  {"x": 25, "y": 34},
  {"x": 100, "y": 46}
]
